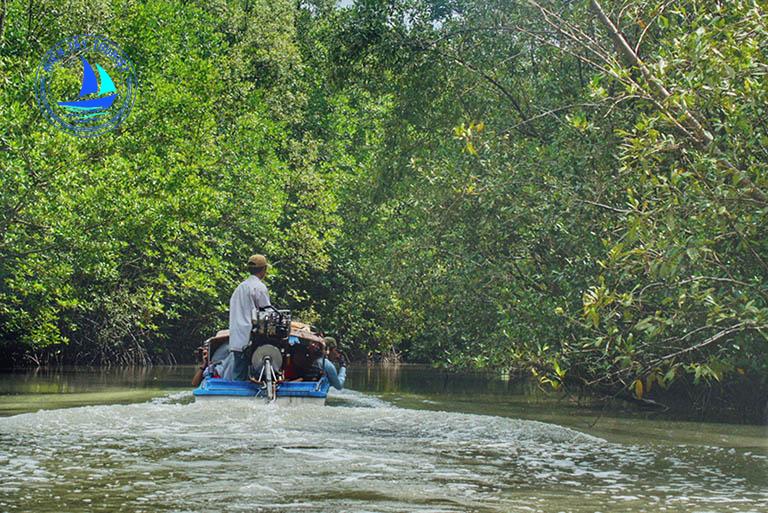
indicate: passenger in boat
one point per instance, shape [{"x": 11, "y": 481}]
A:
[
  {"x": 325, "y": 362},
  {"x": 315, "y": 361},
  {"x": 218, "y": 366},
  {"x": 250, "y": 294},
  {"x": 201, "y": 355}
]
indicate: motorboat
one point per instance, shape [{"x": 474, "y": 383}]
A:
[{"x": 281, "y": 353}]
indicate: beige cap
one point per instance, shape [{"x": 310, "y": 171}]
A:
[
  {"x": 330, "y": 342},
  {"x": 257, "y": 261}
]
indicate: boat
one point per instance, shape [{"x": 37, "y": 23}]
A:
[{"x": 281, "y": 352}]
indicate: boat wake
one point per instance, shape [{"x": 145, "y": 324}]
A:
[{"x": 359, "y": 454}]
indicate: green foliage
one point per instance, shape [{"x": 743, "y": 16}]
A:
[
  {"x": 576, "y": 189},
  {"x": 123, "y": 244},
  {"x": 542, "y": 200},
  {"x": 683, "y": 282}
]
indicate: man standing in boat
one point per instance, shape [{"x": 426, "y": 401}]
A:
[{"x": 250, "y": 294}]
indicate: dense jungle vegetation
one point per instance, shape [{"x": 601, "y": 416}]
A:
[{"x": 576, "y": 189}]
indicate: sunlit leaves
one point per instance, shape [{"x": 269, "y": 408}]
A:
[{"x": 121, "y": 243}]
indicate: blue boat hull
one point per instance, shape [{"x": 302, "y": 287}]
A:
[{"x": 287, "y": 392}]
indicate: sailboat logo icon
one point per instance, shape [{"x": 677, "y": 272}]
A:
[
  {"x": 105, "y": 91},
  {"x": 105, "y": 98}
]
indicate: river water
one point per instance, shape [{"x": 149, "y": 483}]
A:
[{"x": 398, "y": 440}]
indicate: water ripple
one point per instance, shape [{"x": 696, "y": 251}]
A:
[{"x": 364, "y": 455}]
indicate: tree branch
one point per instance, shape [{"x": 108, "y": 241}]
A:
[
  {"x": 702, "y": 137},
  {"x": 711, "y": 340},
  {"x": 608, "y": 207}
]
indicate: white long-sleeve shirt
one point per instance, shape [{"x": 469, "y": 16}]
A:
[{"x": 250, "y": 294}]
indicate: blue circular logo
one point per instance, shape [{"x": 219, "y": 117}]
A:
[{"x": 85, "y": 85}]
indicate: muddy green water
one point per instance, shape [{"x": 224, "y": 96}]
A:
[{"x": 398, "y": 440}]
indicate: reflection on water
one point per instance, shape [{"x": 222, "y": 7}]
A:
[
  {"x": 388, "y": 450},
  {"x": 414, "y": 387},
  {"x": 61, "y": 388}
]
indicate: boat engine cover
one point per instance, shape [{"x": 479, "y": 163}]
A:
[{"x": 263, "y": 351}]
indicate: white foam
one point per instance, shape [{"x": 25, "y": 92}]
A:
[{"x": 170, "y": 453}]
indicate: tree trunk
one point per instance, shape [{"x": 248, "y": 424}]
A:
[{"x": 3, "y": 10}]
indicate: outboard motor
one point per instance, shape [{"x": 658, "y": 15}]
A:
[{"x": 269, "y": 339}]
